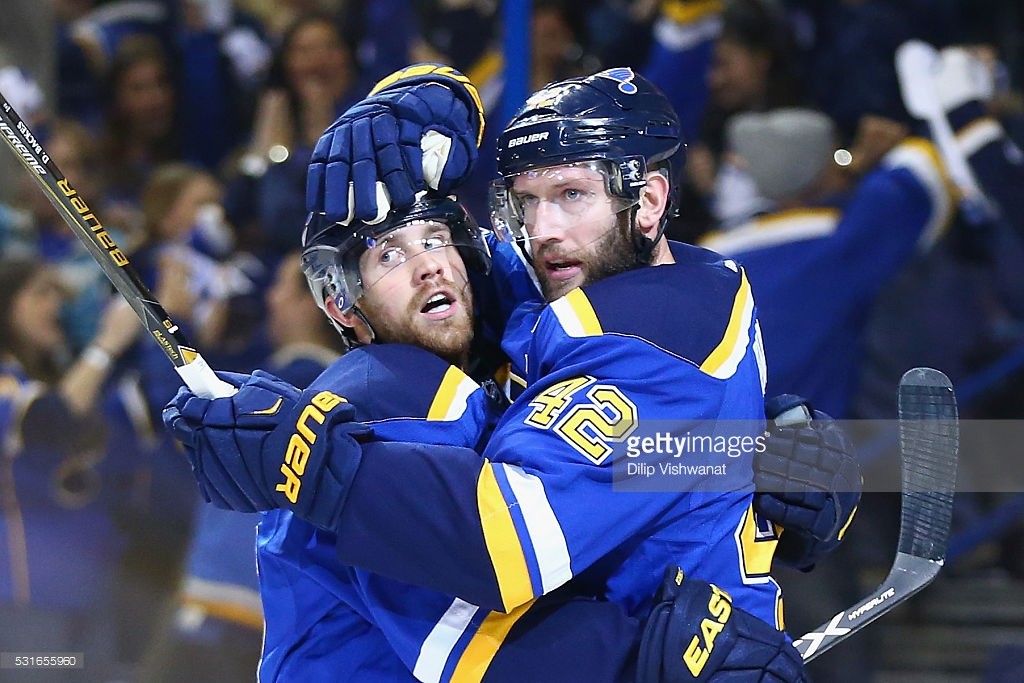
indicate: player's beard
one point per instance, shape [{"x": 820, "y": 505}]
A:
[
  {"x": 450, "y": 338},
  {"x": 611, "y": 253}
]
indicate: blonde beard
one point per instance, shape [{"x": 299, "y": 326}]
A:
[
  {"x": 608, "y": 255},
  {"x": 449, "y": 339}
]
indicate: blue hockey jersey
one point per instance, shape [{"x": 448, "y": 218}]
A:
[
  {"x": 541, "y": 508},
  {"x": 59, "y": 542},
  {"x": 325, "y": 621},
  {"x": 817, "y": 270}
]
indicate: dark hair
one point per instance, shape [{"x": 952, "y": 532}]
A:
[
  {"x": 277, "y": 75},
  {"x": 764, "y": 26},
  {"x": 15, "y": 273},
  {"x": 134, "y": 50}
]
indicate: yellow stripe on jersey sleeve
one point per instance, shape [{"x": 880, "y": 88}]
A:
[
  {"x": 921, "y": 157},
  {"x": 723, "y": 361},
  {"x": 485, "y": 644},
  {"x": 450, "y": 399},
  {"x": 502, "y": 541},
  {"x": 576, "y": 315},
  {"x": 784, "y": 227},
  {"x": 691, "y": 10}
]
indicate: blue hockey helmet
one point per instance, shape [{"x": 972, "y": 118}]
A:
[
  {"x": 331, "y": 251},
  {"x": 616, "y": 116}
]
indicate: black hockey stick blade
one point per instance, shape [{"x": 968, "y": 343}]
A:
[{"x": 929, "y": 439}]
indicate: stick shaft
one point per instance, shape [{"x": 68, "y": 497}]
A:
[{"x": 112, "y": 260}]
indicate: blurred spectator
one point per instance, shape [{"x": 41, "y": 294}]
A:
[
  {"x": 89, "y": 34},
  {"x": 140, "y": 125},
  {"x": 189, "y": 261},
  {"x": 222, "y": 58},
  {"x": 840, "y": 243},
  {"x": 314, "y": 78},
  {"x": 980, "y": 288},
  {"x": 714, "y": 60},
  {"x": 754, "y": 67},
  {"x": 60, "y": 542},
  {"x": 190, "y": 254},
  {"x": 215, "y": 625},
  {"x": 847, "y": 51},
  {"x": 45, "y": 234}
]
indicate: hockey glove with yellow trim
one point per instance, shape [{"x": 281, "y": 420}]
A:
[
  {"x": 419, "y": 128},
  {"x": 265, "y": 447}
]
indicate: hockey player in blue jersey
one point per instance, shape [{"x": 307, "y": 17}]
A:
[
  {"x": 513, "y": 585},
  {"x": 326, "y": 620}
]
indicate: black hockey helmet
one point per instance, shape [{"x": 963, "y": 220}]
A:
[
  {"x": 615, "y": 117},
  {"x": 331, "y": 251}
]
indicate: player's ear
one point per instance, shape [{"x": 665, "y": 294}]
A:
[
  {"x": 653, "y": 202},
  {"x": 350, "y": 320}
]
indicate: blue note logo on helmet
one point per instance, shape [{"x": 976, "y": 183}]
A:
[{"x": 331, "y": 251}]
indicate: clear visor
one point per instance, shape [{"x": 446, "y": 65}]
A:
[
  {"x": 367, "y": 260},
  {"x": 541, "y": 204}
]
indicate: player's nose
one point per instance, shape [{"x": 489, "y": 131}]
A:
[
  {"x": 548, "y": 223},
  {"x": 428, "y": 265}
]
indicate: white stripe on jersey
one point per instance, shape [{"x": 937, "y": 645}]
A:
[
  {"x": 779, "y": 228},
  {"x": 546, "y": 536},
  {"x": 978, "y": 134},
  {"x": 438, "y": 645},
  {"x": 762, "y": 364},
  {"x": 921, "y": 158}
]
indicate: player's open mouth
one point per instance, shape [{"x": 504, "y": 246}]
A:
[
  {"x": 562, "y": 269},
  {"x": 440, "y": 305}
]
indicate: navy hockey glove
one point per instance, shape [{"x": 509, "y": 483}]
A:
[
  {"x": 419, "y": 127},
  {"x": 263, "y": 448},
  {"x": 697, "y": 635},
  {"x": 807, "y": 480}
]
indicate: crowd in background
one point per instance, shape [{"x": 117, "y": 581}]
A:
[{"x": 187, "y": 126}]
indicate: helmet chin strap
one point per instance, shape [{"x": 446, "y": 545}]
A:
[
  {"x": 643, "y": 246},
  {"x": 366, "y": 321}
]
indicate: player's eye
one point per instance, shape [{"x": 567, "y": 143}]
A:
[
  {"x": 434, "y": 242},
  {"x": 391, "y": 256},
  {"x": 527, "y": 200}
]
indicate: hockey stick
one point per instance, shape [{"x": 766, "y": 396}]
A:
[
  {"x": 73, "y": 208},
  {"x": 929, "y": 438},
  {"x": 915, "y": 70}
]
